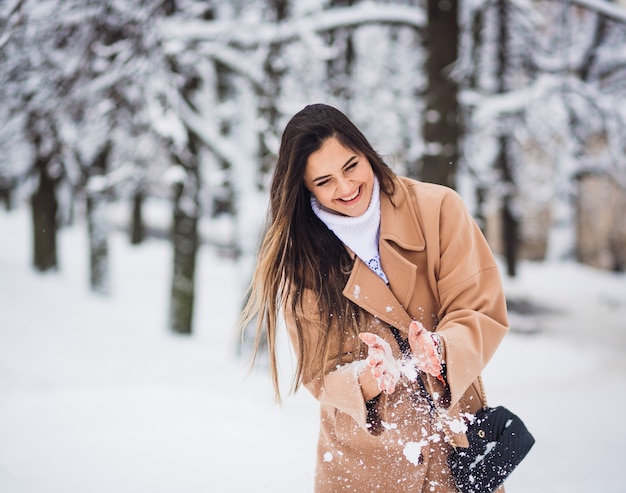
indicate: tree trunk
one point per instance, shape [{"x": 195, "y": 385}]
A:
[
  {"x": 270, "y": 98},
  {"x": 98, "y": 243},
  {"x": 97, "y": 227},
  {"x": 7, "y": 193},
  {"x": 137, "y": 225},
  {"x": 186, "y": 210},
  {"x": 44, "y": 212},
  {"x": 185, "y": 242},
  {"x": 476, "y": 28},
  {"x": 339, "y": 69},
  {"x": 441, "y": 119},
  {"x": 510, "y": 222}
]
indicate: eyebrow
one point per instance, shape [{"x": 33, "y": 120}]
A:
[{"x": 319, "y": 178}]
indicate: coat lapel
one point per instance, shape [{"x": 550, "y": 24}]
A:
[
  {"x": 370, "y": 292},
  {"x": 399, "y": 230}
]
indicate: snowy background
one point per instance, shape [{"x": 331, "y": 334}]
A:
[
  {"x": 105, "y": 101},
  {"x": 97, "y": 396}
]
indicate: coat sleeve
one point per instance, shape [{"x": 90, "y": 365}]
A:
[
  {"x": 338, "y": 384},
  {"x": 472, "y": 308}
]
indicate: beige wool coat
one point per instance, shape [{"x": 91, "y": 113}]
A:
[{"x": 442, "y": 273}]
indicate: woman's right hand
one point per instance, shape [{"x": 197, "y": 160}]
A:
[{"x": 384, "y": 367}]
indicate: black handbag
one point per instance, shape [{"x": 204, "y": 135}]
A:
[{"x": 498, "y": 441}]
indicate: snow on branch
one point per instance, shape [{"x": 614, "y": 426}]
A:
[
  {"x": 234, "y": 60},
  {"x": 10, "y": 19},
  {"x": 611, "y": 10},
  {"x": 211, "y": 137},
  {"x": 250, "y": 35},
  {"x": 490, "y": 107}
]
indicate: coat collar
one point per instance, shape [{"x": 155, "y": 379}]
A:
[
  {"x": 399, "y": 230},
  {"x": 399, "y": 222}
]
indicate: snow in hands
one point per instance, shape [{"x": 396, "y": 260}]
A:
[{"x": 387, "y": 370}]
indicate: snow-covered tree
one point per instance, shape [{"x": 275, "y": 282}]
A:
[
  {"x": 538, "y": 96},
  {"x": 73, "y": 84},
  {"x": 42, "y": 52},
  {"x": 108, "y": 100}
]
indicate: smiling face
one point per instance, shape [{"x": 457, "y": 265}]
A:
[{"x": 341, "y": 180}]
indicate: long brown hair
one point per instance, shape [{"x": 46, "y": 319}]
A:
[{"x": 298, "y": 251}]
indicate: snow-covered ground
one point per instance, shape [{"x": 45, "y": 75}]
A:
[{"x": 97, "y": 396}]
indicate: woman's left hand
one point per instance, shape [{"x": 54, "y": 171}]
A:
[{"x": 424, "y": 349}]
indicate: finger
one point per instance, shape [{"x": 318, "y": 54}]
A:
[
  {"x": 415, "y": 328},
  {"x": 415, "y": 331},
  {"x": 369, "y": 338},
  {"x": 375, "y": 342},
  {"x": 376, "y": 356},
  {"x": 430, "y": 351},
  {"x": 431, "y": 367},
  {"x": 389, "y": 384},
  {"x": 434, "y": 369},
  {"x": 383, "y": 383}
]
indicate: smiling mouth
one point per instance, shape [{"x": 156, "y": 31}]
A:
[{"x": 351, "y": 197}]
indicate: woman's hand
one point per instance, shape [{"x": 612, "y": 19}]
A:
[
  {"x": 384, "y": 367},
  {"x": 424, "y": 349}
]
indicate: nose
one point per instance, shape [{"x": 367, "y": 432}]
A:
[{"x": 344, "y": 186}]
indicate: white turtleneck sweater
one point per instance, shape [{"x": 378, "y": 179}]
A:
[{"x": 359, "y": 233}]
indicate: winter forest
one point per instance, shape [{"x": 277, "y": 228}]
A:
[
  {"x": 519, "y": 105},
  {"x": 137, "y": 143}
]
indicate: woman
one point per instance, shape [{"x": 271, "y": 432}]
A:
[{"x": 379, "y": 279}]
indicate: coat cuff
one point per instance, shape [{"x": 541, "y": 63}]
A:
[{"x": 341, "y": 389}]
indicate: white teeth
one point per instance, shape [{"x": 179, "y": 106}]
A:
[{"x": 352, "y": 197}]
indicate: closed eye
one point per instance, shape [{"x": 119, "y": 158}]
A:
[{"x": 351, "y": 166}]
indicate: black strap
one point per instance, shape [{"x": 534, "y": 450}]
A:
[
  {"x": 406, "y": 351},
  {"x": 403, "y": 343}
]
